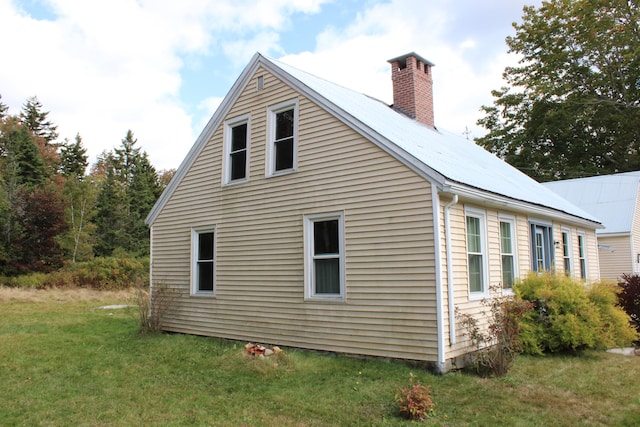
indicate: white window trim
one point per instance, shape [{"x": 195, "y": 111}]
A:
[
  {"x": 582, "y": 234},
  {"x": 226, "y": 162},
  {"x": 309, "y": 281},
  {"x": 194, "y": 260},
  {"x": 271, "y": 134},
  {"x": 514, "y": 248},
  {"x": 570, "y": 244},
  {"x": 482, "y": 215}
]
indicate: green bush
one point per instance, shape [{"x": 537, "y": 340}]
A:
[
  {"x": 57, "y": 279},
  {"x": 569, "y": 315},
  {"x": 110, "y": 273}
]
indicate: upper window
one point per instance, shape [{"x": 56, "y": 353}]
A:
[
  {"x": 476, "y": 255},
  {"x": 203, "y": 261},
  {"x": 542, "y": 256},
  {"x": 324, "y": 257},
  {"x": 582, "y": 254},
  {"x": 236, "y": 149},
  {"x": 282, "y": 153},
  {"x": 566, "y": 252},
  {"x": 508, "y": 251}
]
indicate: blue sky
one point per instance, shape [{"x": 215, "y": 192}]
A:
[{"x": 161, "y": 67}]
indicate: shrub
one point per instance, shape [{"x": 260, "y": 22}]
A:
[
  {"x": 109, "y": 273},
  {"x": 569, "y": 315},
  {"x": 497, "y": 344},
  {"x": 629, "y": 297},
  {"x": 57, "y": 279},
  {"x": 415, "y": 401},
  {"x": 151, "y": 311}
]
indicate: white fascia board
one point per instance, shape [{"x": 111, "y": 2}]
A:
[
  {"x": 214, "y": 122},
  {"x": 498, "y": 201}
]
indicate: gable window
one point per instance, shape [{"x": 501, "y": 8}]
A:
[
  {"x": 236, "y": 149},
  {"x": 324, "y": 257},
  {"x": 582, "y": 255},
  {"x": 203, "y": 261},
  {"x": 283, "y": 139},
  {"x": 476, "y": 256},
  {"x": 566, "y": 252},
  {"x": 542, "y": 256},
  {"x": 508, "y": 251}
]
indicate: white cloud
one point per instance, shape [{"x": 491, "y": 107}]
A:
[
  {"x": 356, "y": 56},
  {"x": 104, "y": 68}
]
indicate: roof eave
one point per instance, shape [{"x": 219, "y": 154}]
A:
[{"x": 499, "y": 201}]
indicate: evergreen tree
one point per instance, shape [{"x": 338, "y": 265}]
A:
[
  {"x": 3, "y": 109},
  {"x": 129, "y": 189},
  {"x": 573, "y": 107},
  {"x": 110, "y": 218},
  {"x": 80, "y": 199},
  {"x": 73, "y": 159},
  {"x": 36, "y": 120}
]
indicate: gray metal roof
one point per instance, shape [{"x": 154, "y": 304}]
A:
[{"x": 612, "y": 198}]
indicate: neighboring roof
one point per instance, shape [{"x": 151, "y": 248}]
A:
[
  {"x": 611, "y": 198},
  {"x": 452, "y": 162}
]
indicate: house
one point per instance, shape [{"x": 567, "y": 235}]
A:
[
  {"x": 615, "y": 200},
  {"x": 312, "y": 216}
]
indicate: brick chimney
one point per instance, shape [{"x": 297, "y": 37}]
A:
[{"x": 413, "y": 87}]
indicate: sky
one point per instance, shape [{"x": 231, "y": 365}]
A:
[{"x": 160, "y": 68}]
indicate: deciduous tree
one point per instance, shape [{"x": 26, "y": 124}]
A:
[{"x": 572, "y": 105}]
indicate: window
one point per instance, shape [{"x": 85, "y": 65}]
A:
[
  {"x": 542, "y": 255},
  {"x": 203, "y": 261},
  {"x": 236, "y": 148},
  {"x": 566, "y": 252},
  {"x": 283, "y": 139},
  {"x": 324, "y": 257},
  {"x": 582, "y": 255},
  {"x": 476, "y": 258},
  {"x": 508, "y": 251}
]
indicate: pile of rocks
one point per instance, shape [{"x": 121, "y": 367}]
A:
[{"x": 257, "y": 350}]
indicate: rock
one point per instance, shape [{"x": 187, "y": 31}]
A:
[{"x": 268, "y": 352}]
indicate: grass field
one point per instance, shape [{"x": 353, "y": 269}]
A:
[{"x": 63, "y": 362}]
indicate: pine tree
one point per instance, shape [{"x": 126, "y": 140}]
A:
[
  {"x": 36, "y": 120},
  {"x": 73, "y": 159}
]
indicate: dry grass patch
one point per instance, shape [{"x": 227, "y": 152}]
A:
[{"x": 62, "y": 295}]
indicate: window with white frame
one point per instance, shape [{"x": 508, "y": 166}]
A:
[
  {"x": 476, "y": 255},
  {"x": 508, "y": 251},
  {"x": 282, "y": 155},
  {"x": 203, "y": 261},
  {"x": 542, "y": 250},
  {"x": 236, "y": 149},
  {"x": 582, "y": 255},
  {"x": 324, "y": 257},
  {"x": 566, "y": 251}
]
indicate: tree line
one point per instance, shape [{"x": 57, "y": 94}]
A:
[{"x": 53, "y": 211}]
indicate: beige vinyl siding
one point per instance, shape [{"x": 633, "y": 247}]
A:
[
  {"x": 616, "y": 257},
  {"x": 390, "y": 307},
  {"x": 475, "y": 307}
]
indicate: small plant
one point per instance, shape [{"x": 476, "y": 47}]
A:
[
  {"x": 497, "y": 344},
  {"x": 415, "y": 401},
  {"x": 152, "y": 306}
]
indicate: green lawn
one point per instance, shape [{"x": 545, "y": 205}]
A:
[{"x": 62, "y": 362}]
